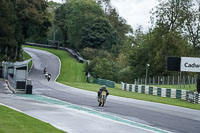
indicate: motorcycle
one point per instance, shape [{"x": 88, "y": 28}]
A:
[
  {"x": 46, "y": 75},
  {"x": 102, "y": 98}
]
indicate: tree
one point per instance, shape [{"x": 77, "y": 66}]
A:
[
  {"x": 154, "y": 50},
  {"x": 73, "y": 16},
  {"x": 32, "y": 20},
  {"x": 104, "y": 68},
  {"x": 106, "y": 6},
  {"x": 180, "y": 16},
  {"x": 7, "y": 33},
  {"x": 192, "y": 28},
  {"x": 172, "y": 14},
  {"x": 21, "y": 20},
  {"x": 98, "y": 35},
  {"x": 164, "y": 39},
  {"x": 118, "y": 23},
  {"x": 54, "y": 29}
]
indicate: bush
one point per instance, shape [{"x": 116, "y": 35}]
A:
[
  {"x": 125, "y": 75},
  {"x": 103, "y": 68},
  {"x": 89, "y": 53}
]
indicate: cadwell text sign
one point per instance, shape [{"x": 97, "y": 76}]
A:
[{"x": 189, "y": 64}]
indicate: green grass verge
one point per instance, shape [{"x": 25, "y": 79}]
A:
[
  {"x": 113, "y": 91},
  {"x": 26, "y": 57},
  {"x": 12, "y": 121}
]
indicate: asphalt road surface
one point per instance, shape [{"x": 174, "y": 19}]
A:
[{"x": 77, "y": 111}]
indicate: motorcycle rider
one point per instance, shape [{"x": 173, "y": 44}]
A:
[
  {"x": 45, "y": 70},
  {"x": 103, "y": 88}
]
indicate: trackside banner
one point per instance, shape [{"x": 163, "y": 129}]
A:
[{"x": 189, "y": 64}]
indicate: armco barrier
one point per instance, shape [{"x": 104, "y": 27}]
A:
[
  {"x": 76, "y": 55},
  {"x": 163, "y": 92},
  {"x": 108, "y": 83},
  {"x": 151, "y": 90}
]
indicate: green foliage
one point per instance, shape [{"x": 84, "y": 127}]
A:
[
  {"x": 97, "y": 30},
  {"x": 89, "y": 53},
  {"x": 167, "y": 37},
  {"x": 21, "y": 20},
  {"x": 54, "y": 29},
  {"x": 119, "y": 24},
  {"x": 73, "y": 16},
  {"x": 98, "y": 35},
  {"x": 122, "y": 60},
  {"x": 32, "y": 19},
  {"x": 156, "y": 46},
  {"x": 172, "y": 14},
  {"x": 125, "y": 75},
  {"x": 27, "y": 57},
  {"x": 104, "y": 68},
  {"x": 8, "y": 42},
  {"x": 179, "y": 16}
]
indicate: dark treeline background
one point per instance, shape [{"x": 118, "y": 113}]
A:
[
  {"x": 21, "y": 20},
  {"x": 95, "y": 29}
]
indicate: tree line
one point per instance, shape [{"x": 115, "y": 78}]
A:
[
  {"x": 117, "y": 52},
  {"x": 21, "y": 20}
]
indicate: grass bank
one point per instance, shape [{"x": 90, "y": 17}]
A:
[
  {"x": 77, "y": 79},
  {"x": 26, "y": 57},
  {"x": 12, "y": 121}
]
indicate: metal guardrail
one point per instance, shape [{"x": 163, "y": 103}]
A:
[
  {"x": 108, "y": 83},
  {"x": 74, "y": 54}
]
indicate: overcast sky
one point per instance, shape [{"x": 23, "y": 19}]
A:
[{"x": 136, "y": 12}]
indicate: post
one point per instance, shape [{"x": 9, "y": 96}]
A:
[
  {"x": 178, "y": 82},
  {"x": 149, "y": 79},
  {"x": 193, "y": 80},
  {"x": 180, "y": 79},
  {"x": 54, "y": 36},
  {"x": 168, "y": 80},
  {"x": 147, "y": 65},
  {"x": 189, "y": 81},
  {"x": 163, "y": 80}
]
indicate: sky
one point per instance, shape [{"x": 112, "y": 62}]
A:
[{"x": 135, "y": 12}]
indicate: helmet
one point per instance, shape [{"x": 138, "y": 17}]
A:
[{"x": 103, "y": 87}]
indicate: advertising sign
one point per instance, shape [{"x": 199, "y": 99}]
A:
[{"x": 189, "y": 64}]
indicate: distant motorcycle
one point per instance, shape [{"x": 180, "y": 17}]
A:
[
  {"x": 49, "y": 77},
  {"x": 102, "y": 98},
  {"x": 46, "y": 75},
  {"x": 45, "y": 70}
]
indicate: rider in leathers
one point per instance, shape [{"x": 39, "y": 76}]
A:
[{"x": 103, "y": 88}]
